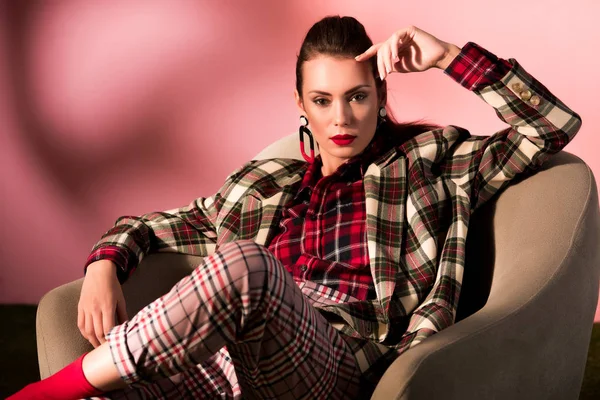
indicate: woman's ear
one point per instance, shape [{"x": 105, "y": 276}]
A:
[{"x": 299, "y": 102}]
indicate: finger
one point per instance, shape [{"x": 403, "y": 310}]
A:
[
  {"x": 402, "y": 51},
  {"x": 399, "y": 66},
  {"x": 81, "y": 324},
  {"x": 80, "y": 320},
  {"x": 89, "y": 331},
  {"x": 407, "y": 34},
  {"x": 98, "y": 330},
  {"x": 122, "y": 312},
  {"x": 403, "y": 65},
  {"x": 395, "y": 47},
  {"x": 380, "y": 66},
  {"x": 387, "y": 61},
  {"x": 368, "y": 53},
  {"x": 404, "y": 37},
  {"x": 108, "y": 321}
]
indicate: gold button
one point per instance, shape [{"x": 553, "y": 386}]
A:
[
  {"x": 526, "y": 95},
  {"x": 517, "y": 87},
  {"x": 535, "y": 100}
]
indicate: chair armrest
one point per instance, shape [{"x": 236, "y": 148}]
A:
[
  {"x": 530, "y": 340},
  {"x": 59, "y": 341}
]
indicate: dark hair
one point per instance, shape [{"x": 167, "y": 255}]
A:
[{"x": 345, "y": 37}]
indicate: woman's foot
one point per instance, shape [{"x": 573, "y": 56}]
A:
[
  {"x": 68, "y": 383},
  {"x": 90, "y": 375}
]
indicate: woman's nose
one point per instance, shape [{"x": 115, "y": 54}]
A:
[{"x": 342, "y": 113}]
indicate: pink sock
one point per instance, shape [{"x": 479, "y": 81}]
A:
[{"x": 68, "y": 383}]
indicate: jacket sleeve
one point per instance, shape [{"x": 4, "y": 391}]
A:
[
  {"x": 540, "y": 124},
  {"x": 188, "y": 230}
]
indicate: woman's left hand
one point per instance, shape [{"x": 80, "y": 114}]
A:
[{"x": 410, "y": 50}]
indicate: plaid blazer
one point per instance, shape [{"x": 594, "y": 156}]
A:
[{"x": 419, "y": 199}]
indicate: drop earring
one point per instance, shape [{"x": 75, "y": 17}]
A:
[
  {"x": 382, "y": 114},
  {"x": 304, "y": 129}
]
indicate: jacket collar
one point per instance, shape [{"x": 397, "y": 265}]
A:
[{"x": 351, "y": 170}]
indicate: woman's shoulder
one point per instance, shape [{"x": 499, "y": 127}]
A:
[
  {"x": 273, "y": 164},
  {"x": 259, "y": 168}
]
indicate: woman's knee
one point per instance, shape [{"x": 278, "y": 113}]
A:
[
  {"x": 246, "y": 257},
  {"x": 253, "y": 272}
]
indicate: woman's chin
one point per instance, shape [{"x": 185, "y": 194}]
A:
[{"x": 347, "y": 151}]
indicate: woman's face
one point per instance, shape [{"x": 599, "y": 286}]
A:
[{"x": 339, "y": 98}]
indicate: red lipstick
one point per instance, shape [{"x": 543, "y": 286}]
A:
[{"x": 343, "y": 140}]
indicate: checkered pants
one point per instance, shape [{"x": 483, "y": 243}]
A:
[{"x": 238, "y": 325}]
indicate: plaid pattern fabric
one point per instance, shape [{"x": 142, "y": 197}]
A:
[
  {"x": 216, "y": 376},
  {"x": 277, "y": 345},
  {"x": 322, "y": 232},
  {"x": 419, "y": 197},
  {"x": 475, "y": 67}
]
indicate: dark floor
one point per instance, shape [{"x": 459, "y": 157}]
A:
[{"x": 18, "y": 353}]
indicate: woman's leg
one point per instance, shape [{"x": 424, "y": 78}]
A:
[
  {"x": 240, "y": 297},
  {"x": 100, "y": 371},
  {"x": 243, "y": 298},
  {"x": 216, "y": 377}
]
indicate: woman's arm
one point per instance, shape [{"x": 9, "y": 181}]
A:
[
  {"x": 188, "y": 230},
  {"x": 540, "y": 124}
]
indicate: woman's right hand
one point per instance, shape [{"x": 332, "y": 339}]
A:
[
  {"x": 410, "y": 49},
  {"x": 101, "y": 296}
]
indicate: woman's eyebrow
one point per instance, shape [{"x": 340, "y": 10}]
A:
[{"x": 347, "y": 91}]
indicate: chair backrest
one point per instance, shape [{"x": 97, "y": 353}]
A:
[{"x": 286, "y": 147}]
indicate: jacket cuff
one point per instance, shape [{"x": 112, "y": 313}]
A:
[
  {"x": 115, "y": 254},
  {"x": 475, "y": 68}
]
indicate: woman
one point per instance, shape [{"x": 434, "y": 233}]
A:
[{"x": 317, "y": 274}]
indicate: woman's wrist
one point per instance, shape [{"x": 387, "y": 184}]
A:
[
  {"x": 105, "y": 266},
  {"x": 450, "y": 55}
]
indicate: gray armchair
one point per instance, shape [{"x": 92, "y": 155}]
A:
[{"x": 525, "y": 313}]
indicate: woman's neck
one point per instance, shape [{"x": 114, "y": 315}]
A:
[{"x": 329, "y": 168}]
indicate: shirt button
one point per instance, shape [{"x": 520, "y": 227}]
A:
[
  {"x": 535, "y": 100},
  {"x": 517, "y": 87},
  {"x": 526, "y": 95},
  {"x": 303, "y": 268}
]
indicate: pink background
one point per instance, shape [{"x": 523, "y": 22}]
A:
[{"x": 110, "y": 108}]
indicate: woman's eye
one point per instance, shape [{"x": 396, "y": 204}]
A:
[{"x": 324, "y": 102}]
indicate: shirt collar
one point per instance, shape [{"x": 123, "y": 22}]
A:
[{"x": 351, "y": 170}]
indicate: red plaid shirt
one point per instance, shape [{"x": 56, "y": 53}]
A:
[{"x": 322, "y": 234}]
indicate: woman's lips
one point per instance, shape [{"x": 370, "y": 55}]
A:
[{"x": 343, "y": 140}]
